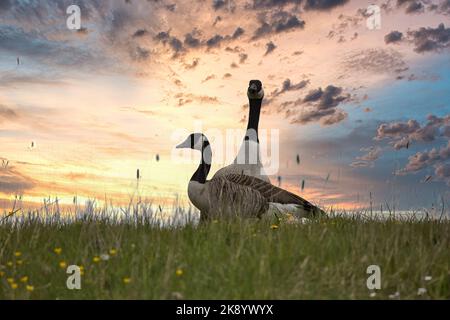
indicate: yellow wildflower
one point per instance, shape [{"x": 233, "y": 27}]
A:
[
  {"x": 9, "y": 264},
  {"x": 57, "y": 250},
  {"x": 24, "y": 279},
  {"x": 179, "y": 272},
  {"x": 96, "y": 259},
  {"x": 14, "y": 285},
  {"x": 17, "y": 253},
  {"x": 10, "y": 280},
  {"x": 19, "y": 262},
  {"x": 62, "y": 264},
  {"x": 274, "y": 227},
  {"x": 126, "y": 280},
  {"x": 113, "y": 252},
  {"x": 29, "y": 288}
]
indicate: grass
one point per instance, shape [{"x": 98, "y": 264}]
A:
[{"x": 234, "y": 259}]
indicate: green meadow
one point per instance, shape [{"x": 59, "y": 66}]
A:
[{"x": 233, "y": 259}]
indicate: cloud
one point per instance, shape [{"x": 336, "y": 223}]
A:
[
  {"x": 12, "y": 79},
  {"x": 393, "y": 37},
  {"x": 378, "y": 61},
  {"x": 214, "y": 41},
  {"x": 171, "y": 7},
  {"x": 174, "y": 43},
  {"x": 242, "y": 57},
  {"x": 13, "y": 182},
  {"x": 321, "y": 106},
  {"x": 401, "y": 134},
  {"x": 192, "y": 65},
  {"x": 442, "y": 172},
  {"x": 7, "y": 113},
  {"x": 368, "y": 159},
  {"x": 421, "y": 160},
  {"x": 5, "y": 5},
  {"x": 237, "y": 33},
  {"x": 140, "y": 54},
  {"x": 442, "y": 8},
  {"x": 219, "y": 4},
  {"x": 218, "y": 39},
  {"x": 430, "y": 39},
  {"x": 328, "y": 98},
  {"x": 345, "y": 23},
  {"x": 210, "y": 77},
  {"x": 396, "y": 129},
  {"x": 411, "y": 6},
  {"x": 267, "y": 4},
  {"x": 191, "y": 40},
  {"x": 140, "y": 33},
  {"x": 32, "y": 44},
  {"x": 278, "y": 22},
  {"x": 323, "y": 5},
  {"x": 236, "y": 49},
  {"x": 289, "y": 86},
  {"x": 190, "y": 98},
  {"x": 270, "y": 47}
]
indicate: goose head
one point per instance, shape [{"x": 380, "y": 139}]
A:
[
  {"x": 196, "y": 141},
  {"x": 255, "y": 90}
]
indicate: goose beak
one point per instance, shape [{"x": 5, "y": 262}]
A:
[
  {"x": 184, "y": 144},
  {"x": 253, "y": 89}
]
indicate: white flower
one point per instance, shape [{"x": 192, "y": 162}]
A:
[
  {"x": 372, "y": 294},
  {"x": 428, "y": 278},
  {"x": 104, "y": 257},
  {"x": 421, "y": 291},
  {"x": 395, "y": 295}
]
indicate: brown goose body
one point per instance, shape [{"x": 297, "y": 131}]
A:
[{"x": 247, "y": 196}]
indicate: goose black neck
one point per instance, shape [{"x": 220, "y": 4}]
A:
[
  {"x": 253, "y": 117},
  {"x": 205, "y": 164}
]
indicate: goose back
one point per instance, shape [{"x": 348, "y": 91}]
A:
[
  {"x": 273, "y": 194},
  {"x": 247, "y": 162}
]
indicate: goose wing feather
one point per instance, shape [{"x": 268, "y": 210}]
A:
[
  {"x": 227, "y": 197},
  {"x": 270, "y": 192}
]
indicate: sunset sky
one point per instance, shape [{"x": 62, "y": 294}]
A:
[{"x": 367, "y": 111}]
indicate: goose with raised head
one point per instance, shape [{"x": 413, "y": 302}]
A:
[
  {"x": 238, "y": 194},
  {"x": 248, "y": 159}
]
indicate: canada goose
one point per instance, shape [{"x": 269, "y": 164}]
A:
[
  {"x": 248, "y": 159},
  {"x": 237, "y": 194}
]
